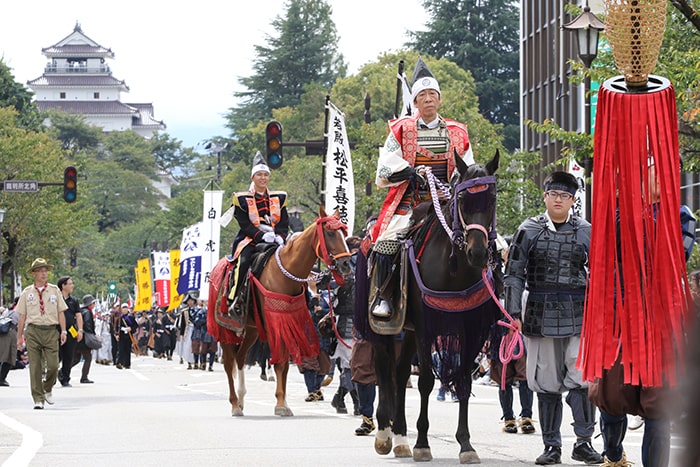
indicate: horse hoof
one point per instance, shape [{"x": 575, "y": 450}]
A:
[
  {"x": 283, "y": 412},
  {"x": 402, "y": 450},
  {"x": 422, "y": 455},
  {"x": 469, "y": 457},
  {"x": 237, "y": 412},
  {"x": 270, "y": 378},
  {"x": 382, "y": 447}
]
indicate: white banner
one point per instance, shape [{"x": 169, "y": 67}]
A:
[
  {"x": 161, "y": 277},
  {"x": 579, "y": 206},
  {"x": 211, "y": 233},
  {"x": 340, "y": 184}
]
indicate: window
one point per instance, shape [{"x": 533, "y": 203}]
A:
[
  {"x": 62, "y": 95},
  {"x": 96, "y": 95}
]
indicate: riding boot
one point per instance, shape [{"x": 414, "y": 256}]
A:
[
  {"x": 383, "y": 268},
  {"x": 244, "y": 260},
  {"x": 613, "y": 429}
]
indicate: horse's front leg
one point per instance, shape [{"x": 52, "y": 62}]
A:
[
  {"x": 384, "y": 369},
  {"x": 426, "y": 382},
  {"x": 467, "y": 453},
  {"x": 228, "y": 357},
  {"x": 281, "y": 370}
]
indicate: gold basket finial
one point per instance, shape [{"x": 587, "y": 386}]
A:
[{"x": 635, "y": 29}]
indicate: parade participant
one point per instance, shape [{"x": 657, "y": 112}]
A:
[
  {"x": 74, "y": 326},
  {"x": 82, "y": 350},
  {"x": 617, "y": 398},
  {"x": 185, "y": 326},
  {"x": 549, "y": 257},
  {"x": 128, "y": 325},
  {"x": 415, "y": 142},
  {"x": 8, "y": 344},
  {"x": 516, "y": 370},
  {"x": 262, "y": 217},
  {"x": 40, "y": 308}
]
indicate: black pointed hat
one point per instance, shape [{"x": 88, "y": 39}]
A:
[{"x": 423, "y": 78}]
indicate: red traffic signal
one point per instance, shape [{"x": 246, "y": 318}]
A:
[
  {"x": 70, "y": 184},
  {"x": 273, "y": 144}
]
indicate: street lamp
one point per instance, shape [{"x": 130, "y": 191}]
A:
[
  {"x": 587, "y": 26},
  {"x": 218, "y": 149},
  {"x": 2, "y": 288}
]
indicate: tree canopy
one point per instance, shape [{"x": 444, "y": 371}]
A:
[{"x": 480, "y": 36}]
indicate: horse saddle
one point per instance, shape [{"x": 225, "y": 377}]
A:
[{"x": 394, "y": 291}]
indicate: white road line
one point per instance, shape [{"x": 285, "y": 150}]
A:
[{"x": 32, "y": 441}]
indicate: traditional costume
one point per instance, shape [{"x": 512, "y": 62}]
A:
[
  {"x": 262, "y": 217},
  {"x": 411, "y": 143}
]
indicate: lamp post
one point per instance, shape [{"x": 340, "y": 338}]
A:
[
  {"x": 587, "y": 27},
  {"x": 2, "y": 287}
]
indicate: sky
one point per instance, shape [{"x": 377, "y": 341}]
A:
[{"x": 186, "y": 57}]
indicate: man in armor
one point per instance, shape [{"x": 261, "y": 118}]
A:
[
  {"x": 415, "y": 142},
  {"x": 549, "y": 259}
]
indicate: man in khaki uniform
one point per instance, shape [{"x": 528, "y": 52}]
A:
[{"x": 41, "y": 308}]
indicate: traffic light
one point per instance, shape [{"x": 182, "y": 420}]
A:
[
  {"x": 70, "y": 184},
  {"x": 73, "y": 257},
  {"x": 273, "y": 144}
]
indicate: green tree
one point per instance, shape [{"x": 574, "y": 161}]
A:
[
  {"x": 480, "y": 36},
  {"x": 130, "y": 151},
  {"x": 36, "y": 224},
  {"x": 170, "y": 155},
  {"x": 303, "y": 52},
  {"x": 18, "y": 96},
  {"x": 73, "y": 132}
]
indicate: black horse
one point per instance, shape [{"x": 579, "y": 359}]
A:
[{"x": 450, "y": 307}]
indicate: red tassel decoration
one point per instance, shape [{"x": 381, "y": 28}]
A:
[{"x": 638, "y": 300}]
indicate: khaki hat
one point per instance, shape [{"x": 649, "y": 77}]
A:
[{"x": 40, "y": 263}]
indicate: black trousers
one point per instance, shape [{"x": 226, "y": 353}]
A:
[{"x": 65, "y": 354}]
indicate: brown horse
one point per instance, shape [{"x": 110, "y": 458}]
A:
[{"x": 279, "y": 313}]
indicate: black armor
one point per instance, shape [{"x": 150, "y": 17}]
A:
[{"x": 552, "y": 266}]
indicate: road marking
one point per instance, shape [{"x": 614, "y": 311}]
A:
[{"x": 32, "y": 441}]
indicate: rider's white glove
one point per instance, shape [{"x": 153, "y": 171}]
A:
[
  {"x": 269, "y": 237},
  {"x": 279, "y": 240}
]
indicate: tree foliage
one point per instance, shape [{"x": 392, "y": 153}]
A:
[
  {"x": 480, "y": 36},
  {"x": 303, "y": 52}
]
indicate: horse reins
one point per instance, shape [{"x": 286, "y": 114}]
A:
[{"x": 334, "y": 223}]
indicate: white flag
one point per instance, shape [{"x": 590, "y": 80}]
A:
[
  {"x": 406, "y": 108},
  {"x": 579, "y": 173},
  {"x": 211, "y": 231},
  {"x": 340, "y": 184},
  {"x": 161, "y": 277}
]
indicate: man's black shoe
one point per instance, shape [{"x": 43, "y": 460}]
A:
[
  {"x": 550, "y": 456},
  {"x": 86, "y": 381},
  {"x": 65, "y": 384},
  {"x": 584, "y": 452}
]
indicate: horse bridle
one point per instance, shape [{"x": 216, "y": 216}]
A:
[
  {"x": 459, "y": 226},
  {"x": 334, "y": 223}
]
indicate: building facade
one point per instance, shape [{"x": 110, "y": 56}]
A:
[{"x": 77, "y": 79}]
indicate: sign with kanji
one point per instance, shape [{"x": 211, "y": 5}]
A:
[{"x": 20, "y": 186}]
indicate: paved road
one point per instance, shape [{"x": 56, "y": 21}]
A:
[{"x": 160, "y": 413}]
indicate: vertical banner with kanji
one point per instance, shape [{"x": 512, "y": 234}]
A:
[
  {"x": 211, "y": 231},
  {"x": 161, "y": 277},
  {"x": 579, "y": 206},
  {"x": 340, "y": 183},
  {"x": 175, "y": 297},
  {"x": 144, "y": 294},
  {"x": 190, "y": 259}
]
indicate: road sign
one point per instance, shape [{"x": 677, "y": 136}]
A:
[{"x": 20, "y": 186}]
